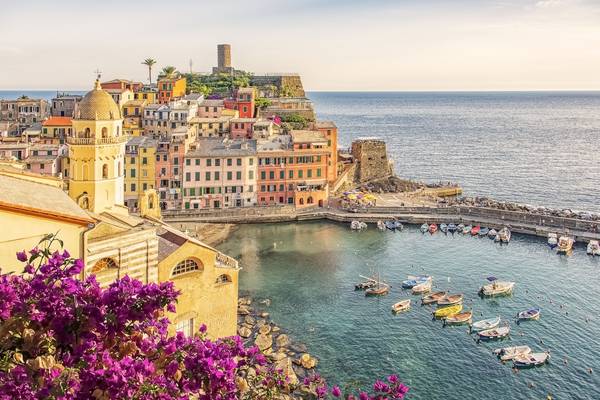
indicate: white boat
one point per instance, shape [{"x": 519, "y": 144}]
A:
[
  {"x": 497, "y": 288},
  {"x": 494, "y": 333},
  {"x": 485, "y": 324},
  {"x": 380, "y": 225},
  {"x": 402, "y": 305},
  {"x": 422, "y": 287},
  {"x": 460, "y": 228},
  {"x": 357, "y": 225},
  {"x": 565, "y": 245},
  {"x": 593, "y": 248},
  {"x": 492, "y": 233},
  {"x": 444, "y": 228},
  {"x": 424, "y": 228},
  {"x": 530, "y": 360},
  {"x": 510, "y": 353},
  {"x": 497, "y": 238},
  {"x": 552, "y": 240},
  {"x": 413, "y": 281},
  {"x": 504, "y": 234},
  {"x": 531, "y": 314}
]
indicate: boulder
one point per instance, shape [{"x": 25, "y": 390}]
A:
[
  {"x": 285, "y": 365},
  {"x": 244, "y": 332},
  {"x": 263, "y": 342},
  {"x": 307, "y": 361},
  {"x": 265, "y": 329},
  {"x": 260, "y": 322},
  {"x": 244, "y": 310},
  {"x": 245, "y": 301},
  {"x": 282, "y": 340},
  {"x": 275, "y": 329},
  {"x": 264, "y": 314},
  {"x": 249, "y": 320}
]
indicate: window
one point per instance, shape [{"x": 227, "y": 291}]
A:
[
  {"x": 223, "y": 278},
  {"x": 217, "y": 162},
  {"x": 238, "y": 175},
  {"x": 229, "y": 162},
  {"x": 207, "y": 176},
  {"x": 197, "y": 176},
  {"x": 263, "y": 174},
  {"x": 133, "y": 187},
  {"x": 318, "y": 171},
  {"x": 188, "y": 176},
  {"x": 291, "y": 174},
  {"x": 250, "y": 174},
  {"x": 188, "y": 161},
  {"x": 251, "y": 162},
  {"x": 145, "y": 186},
  {"x": 229, "y": 175},
  {"x": 105, "y": 171},
  {"x": 197, "y": 161},
  {"x": 282, "y": 174},
  {"x": 186, "y": 326},
  {"x": 238, "y": 162},
  {"x": 217, "y": 175},
  {"x": 185, "y": 266},
  {"x": 271, "y": 174},
  {"x": 103, "y": 264},
  {"x": 208, "y": 162},
  {"x": 309, "y": 173}
]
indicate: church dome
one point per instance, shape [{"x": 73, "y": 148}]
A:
[{"x": 98, "y": 105}]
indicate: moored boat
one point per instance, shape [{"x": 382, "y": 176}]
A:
[
  {"x": 494, "y": 333},
  {"x": 565, "y": 245},
  {"x": 492, "y": 233},
  {"x": 393, "y": 225},
  {"x": 447, "y": 311},
  {"x": 483, "y": 231},
  {"x": 413, "y": 281},
  {"x": 365, "y": 285},
  {"x": 444, "y": 228},
  {"x": 459, "y": 319},
  {"x": 475, "y": 230},
  {"x": 381, "y": 225},
  {"x": 432, "y": 298},
  {"x": 485, "y": 324},
  {"x": 531, "y": 314},
  {"x": 402, "y": 305},
  {"x": 511, "y": 352},
  {"x": 460, "y": 228},
  {"x": 496, "y": 288},
  {"x": 422, "y": 287},
  {"x": 530, "y": 360},
  {"x": 433, "y": 228},
  {"x": 377, "y": 291},
  {"x": 593, "y": 248},
  {"x": 452, "y": 228},
  {"x": 504, "y": 234},
  {"x": 424, "y": 228},
  {"x": 450, "y": 299},
  {"x": 358, "y": 225},
  {"x": 552, "y": 240},
  {"x": 467, "y": 229}
]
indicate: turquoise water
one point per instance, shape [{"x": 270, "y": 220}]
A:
[{"x": 308, "y": 270}]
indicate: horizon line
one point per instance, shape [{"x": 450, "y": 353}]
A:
[{"x": 364, "y": 90}]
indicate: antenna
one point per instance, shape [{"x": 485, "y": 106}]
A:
[{"x": 191, "y": 64}]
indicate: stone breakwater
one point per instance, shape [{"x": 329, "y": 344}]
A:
[{"x": 256, "y": 328}]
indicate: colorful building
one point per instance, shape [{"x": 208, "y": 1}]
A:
[
  {"x": 329, "y": 130},
  {"x": 63, "y": 105},
  {"x": 147, "y": 93},
  {"x": 212, "y": 127},
  {"x": 133, "y": 112},
  {"x": 170, "y": 89},
  {"x": 210, "y": 108},
  {"x": 24, "y": 112},
  {"x": 46, "y": 159},
  {"x": 122, "y": 84},
  {"x": 245, "y": 101},
  {"x": 220, "y": 173},
  {"x": 56, "y": 129},
  {"x": 140, "y": 169},
  {"x": 240, "y": 128}
]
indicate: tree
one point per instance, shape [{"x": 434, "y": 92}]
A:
[
  {"x": 149, "y": 62},
  {"x": 168, "y": 72},
  {"x": 262, "y": 102}
]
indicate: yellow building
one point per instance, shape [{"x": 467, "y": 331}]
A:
[
  {"x": 132, "y": 117},
  {"x": 171, "y": 88},
  {"x": 140, "y": 169},
  {"x": 96, "y": 226},
  {"x": 150, "y": 96}
]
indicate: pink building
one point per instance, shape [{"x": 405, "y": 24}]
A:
[
  {"x": 220, "y": 173},
  {"x": 46, "y": 159},
  {"x": 210, "y": 108},
  {"x": 12, "y": 148},
  {"x": 240, "y": 128}
]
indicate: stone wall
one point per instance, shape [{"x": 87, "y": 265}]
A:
[
  {"x": 292, "y": 82},
  {"x": 372, "y": 160}
]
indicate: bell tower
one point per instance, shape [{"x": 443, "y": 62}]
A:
[{"x": 96, "y": 153}]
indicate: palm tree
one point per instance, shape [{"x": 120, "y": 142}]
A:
[
  {"x": 149, "y": 62},
  {"x": 168, "y": 72}
]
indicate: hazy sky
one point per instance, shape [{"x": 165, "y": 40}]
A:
[{"x": 334, "y": 44}]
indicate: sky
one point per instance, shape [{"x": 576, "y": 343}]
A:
[{"x": 341, "y": 45}]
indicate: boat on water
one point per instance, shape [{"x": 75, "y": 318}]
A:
[
  {"x": 565, "y": 245},
  {"x": 485, "y": 324},
  {"x": 552, "y": 240},
  {"x": 494, "y": 333},
  {"x": 511, "y": 352},
  {"x": 444, "y": 312},
  {"x": 504, "y": 234},
  {"x": 452, "y": 228},
  {"x": 450, "y": 299},
  {"x": 496, "y": 288},
  {"x": 421, "y": 288},
  {"x": 432, "y": 298},
  {"x": 402, "y": 305},
  {"x": 492, "y": 233},
  {"x": 444, "y": 228},
  {"x": 530, "y": 360},
  {"x": 393, "y": 225},
  {"x": 531, "y": 314},
  {"x": 467, "y": 229},
  {"x": 483, "y": 231},
  {"x": 413, "y": 281},
  {"x": 379, "y": 289},
  {"x": 358, "y": 225},
  {"x": 459, "y": 319},
  {"x": 433, "y": 228},
  {"x": 475, "y": 230},
  {"x": 593, "y": 248},
  {"x": 424, "y": 228},
  {"x": 460, "y": 227},
  {"x": 381, "y": 225},
  {"x": 497, "y": 238}
]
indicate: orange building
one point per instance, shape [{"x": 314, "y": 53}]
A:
[
  {"x": 56, "y": 129},
  {"x": 122, "y": 84},
  {"x": 171, "y": 89},
  {"x": 329, "y": 130}
]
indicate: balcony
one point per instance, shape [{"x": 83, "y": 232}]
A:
[
  {"x": 223, "y": 261},
  {"x": 96, "y": 141}
]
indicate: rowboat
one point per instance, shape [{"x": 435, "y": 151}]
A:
[
  {"x": 433, "y": 228},
  {"x": 402, "y": 305},
  {"x": 444, "y": 228},
  {"x": 475, "y": 230},
  {"x": 381, "y": 225},
  {"x": 485, "y": 324},
  {"x": 510, "y": 353},
  {"x": 530, "y": 360},
  {"x": 494, "y": 333},
  {"x": 459, "y": 319},
  {"x": 432, "y": 298},
  {"x": 505, "y": 235},
  {"x": 497, "y": 288},
  {"x": 451, "y": 228},
  {"x": 424, "y": 228},
  {"x": 450, "y": 299},
  {"x": 483, "y": 231},
  {"x": 460, "y": 227},
  {"x": 593, "y": 248},
  {"x": 492, "y": 233},
  {"x": 393, "y": 225},
  {"x": 448, "y": 311},
  {"x": 532, "y": 314},
  {"x": 552, "y": 240},
  {"x": 422, "y": 287},
  {"x": 377, "y": 291},
  {"x": 565, "y": 245},
  {"x": 413, "y": 281},
  {"x": 358, "y": 225},
  {"x": 467, "y": 229}
]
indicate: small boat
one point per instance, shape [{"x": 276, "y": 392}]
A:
[
  {"x": 565, "y": 245},
  {"x": 433, "y": 228},
  {"x": 485, "y": 324},
  {"x": 530, "y": 360},
  {"x": 403, "y": 305},
  {"x": 467, "y": 229},
  {"x": 381, "y": 225},
  {"x": 365, "y": 285},
  {"x": 494, "y": 333},
  {"x": 357, "y": 225},
  {"x": 421, "y": 288},
  {"x": 460, "y": 227},
  {"x": 432, "y": 298},
  {"x": 552, "y": 240},
  {"x": 459, "y": 319},
  {"x": 393, "y": 225},
  {"x": 444, "y": 312},
  {"x": 444, "y": 228},
  {"x": 424, "y": 228},
  {"x": 510, "y": 353},
  {"x": 492, "y": 233},
  {"x": 413, "y": 281},
  {"x": 593, "y": 248},
  {"x": 450, "y": 299},
  {"x": 497, "y": 288},
  {"x": 475, "y": 230},
  {"x": 532, "y": 314},
  {"x": 483, "y": 231},
  {"x": 497, "y": 238},
  {"x": 452, "y": 228},
  {"x": 377, "y": 291},
  {"x": 505, "y": 235}
]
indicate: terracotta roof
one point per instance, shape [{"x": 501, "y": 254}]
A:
[{"x": 57, "y": 121}]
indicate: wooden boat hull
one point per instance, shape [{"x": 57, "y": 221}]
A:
[
  {"x": 401, "y": 306},
  {"x": 494, "y": 334},
  {"x": 377, "y": 292},
  {"x": 450, "y": 300},
  {"x": 444, "y": 312},
  {"x": 459, "y": 319},
  {"x": 510, "y": 353},
  {"x": 497, "y": 289},
  {"x": 531, "y": 360},
  {"x": 485, "y": 324},
  {"x": 529, "y": 315},
  {"x": 432, "y": 298}
]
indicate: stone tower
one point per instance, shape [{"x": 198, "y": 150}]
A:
[
  {"x": 372, "y": 163},
  {"x": 96, "y": 153},
  {"x": 223, "y": 59}
]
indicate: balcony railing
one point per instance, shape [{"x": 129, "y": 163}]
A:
[{"x": 96, "y": 141}]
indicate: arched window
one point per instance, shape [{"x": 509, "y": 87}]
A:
[
  {"x": 309, "y": 200},
  {"x": 104, "y": 171},
  {"x": 104, "y": 263},
  {"x": 301, "y": 201},
  {"x": 87, "y": 133},
  {"x": 185, "y": 266},
  {"x": 84, "y": 172},
  {"x": 104, "y": 132},
  {"x": 224, "y": 278}
]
